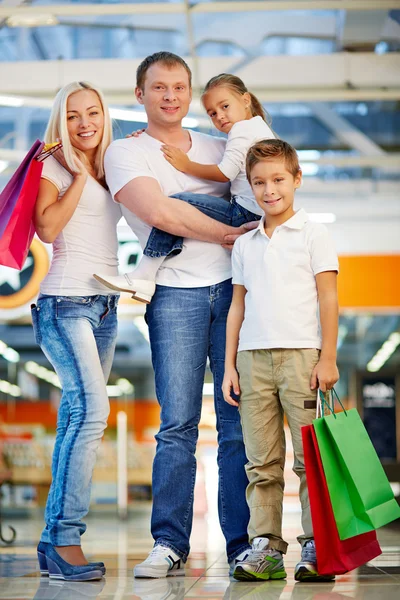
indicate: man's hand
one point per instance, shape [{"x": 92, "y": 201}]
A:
[
  {"x": 230, "y": 382},
  {"x": 176, "y": 157},
  {"x": 136, "y": 133},
  {"x": 230, "y": 239},
  {"x": 324, "y": 375}
]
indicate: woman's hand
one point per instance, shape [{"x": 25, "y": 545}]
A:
[
  {"x": 176, "y": 157},
  {"x": 80, "y": 171}
]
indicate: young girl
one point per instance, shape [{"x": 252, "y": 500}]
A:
[
  {"x": 238, "y": 113},
  {"x": 74, "y": 320}
]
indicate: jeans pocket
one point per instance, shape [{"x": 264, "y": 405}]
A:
[
  {"x": 35, "y": 324},
  {"x": 74, "y": 307}
]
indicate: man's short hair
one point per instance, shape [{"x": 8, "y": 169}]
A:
[
  {"x": 168, "y": 59},
  {"x": 270, "y": 149}
]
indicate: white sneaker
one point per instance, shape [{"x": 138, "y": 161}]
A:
[
  {"x": 161, "y": 562},
  {"x": 141, "y": 289},
  {"x": 242, "y": 556}
]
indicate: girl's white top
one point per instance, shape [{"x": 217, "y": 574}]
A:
[
  {"x": 88, "y": 243},
  {"x": 233, "y": 165}
]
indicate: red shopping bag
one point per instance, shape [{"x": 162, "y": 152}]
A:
[
  {"x": 19, "y": 232},
  {"x": 334, "y": 556}
]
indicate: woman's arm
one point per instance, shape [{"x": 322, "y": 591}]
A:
[
  {"x": 178, "y": 159},
  {"x": 233, "y": 325},
  {"x": 326, "y": 372},
  {"x": 51, "y": 215}
]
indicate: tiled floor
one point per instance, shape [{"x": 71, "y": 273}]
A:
[{"x": 122, "y": 544}]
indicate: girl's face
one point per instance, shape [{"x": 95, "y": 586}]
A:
[
  {"x": 85, "y": 121},
  {"x": 225, "y": 107}
]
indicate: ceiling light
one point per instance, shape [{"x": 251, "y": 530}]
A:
[
  {"x": 9, "y": 388},
  {"x": 8, "y": 353},
  {"x": 384, "y": 352},
  {"x": 3, "y": 165},
  {"x": 30, "y": 20},
  {"x": 11, "y": 101},
  {"x": 42, "y": 373}
]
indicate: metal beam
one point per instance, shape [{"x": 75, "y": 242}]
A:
[
  {"x": 345, "y": 131},
  {"x": 214, "y": 7}
]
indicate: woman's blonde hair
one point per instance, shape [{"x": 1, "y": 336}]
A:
[
  {"x": 236, "y": 85},
  {"x": 57, "y": 127}
]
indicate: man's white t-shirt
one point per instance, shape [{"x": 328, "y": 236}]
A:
[
  {"x": 200, "y": 264},
  {"x": 88, "y": 243},
  {"x": 233, "y": 165}
]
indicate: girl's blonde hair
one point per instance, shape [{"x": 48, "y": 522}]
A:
[
  {"x": 57, "y": 127},
  {"x": 236, "y": 85}
]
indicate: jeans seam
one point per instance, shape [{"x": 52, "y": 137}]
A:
[{"x": 73, "y": 441}]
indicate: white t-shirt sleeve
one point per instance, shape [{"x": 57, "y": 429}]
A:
[
  {"x": 322, "y": 250},
  {"x": 237, "y": 265},
  {"x": 54, "y": 172},
  {"x": 122, "y": 163},
  {"x": 241, "y": 137}
]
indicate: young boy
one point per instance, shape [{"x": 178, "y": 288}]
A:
[{"x": 281, "y": 272}]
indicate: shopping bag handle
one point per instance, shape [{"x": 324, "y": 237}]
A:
[{"x": 324, "y": 402}]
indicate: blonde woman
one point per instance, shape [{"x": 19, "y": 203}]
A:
[{"x": 74, "y": 320}]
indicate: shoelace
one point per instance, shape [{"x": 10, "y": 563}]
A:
[
  {"x": 259, "y": 555},
  {"x": 157, "y": 550},
  {"x": 308, "y": 553}
]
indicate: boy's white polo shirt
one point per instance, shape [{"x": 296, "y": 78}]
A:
[{"x": 281, "y": 304}]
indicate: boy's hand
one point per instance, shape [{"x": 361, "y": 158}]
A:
[
  {"x": 176, "y": 157},
  {"x": 324, "y": 375},
  {"x": 230, "y": 382}
]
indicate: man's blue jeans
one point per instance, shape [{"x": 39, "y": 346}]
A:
[
  {"x": 77, "y": 334},
  {"x": 161, "y": 243},
  {"x": 186, "y": 326}
]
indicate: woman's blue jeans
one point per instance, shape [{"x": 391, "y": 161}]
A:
[
  {"x": 77, "y": 334},
  {"x": 187, "y": 326},
  {"x": 161, "y": 243}
]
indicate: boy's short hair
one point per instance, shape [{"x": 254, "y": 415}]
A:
[
  {"x": 269, "y": 149},
  {"x": 168, "y": 59}
]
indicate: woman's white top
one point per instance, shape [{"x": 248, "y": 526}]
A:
[
  {"x": 233, "y": 165},
  {"x": 88, "y": 243}
]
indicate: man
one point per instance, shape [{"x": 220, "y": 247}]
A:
[{"x": 187, "y": 315}]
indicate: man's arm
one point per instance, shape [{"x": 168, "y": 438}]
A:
[
  {"x": 233, "y": 325},
  {"x": 143, "y": 197},
  {"x": 326, "y": 373}
]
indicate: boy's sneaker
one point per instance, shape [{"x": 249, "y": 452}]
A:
[
  {"x": 240, "y": 558},
  {"x": 306, "y": 569},
  {"x": 262, "y": 563},
  {"x": 161, "y": 562}
]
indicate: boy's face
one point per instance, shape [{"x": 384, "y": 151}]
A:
[{"x": 274, "y": 186}]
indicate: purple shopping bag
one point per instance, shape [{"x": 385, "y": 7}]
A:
[{"x": 10, "y": 194}]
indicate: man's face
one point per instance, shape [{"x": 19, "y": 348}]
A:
[{"x": 166, "y": 95}]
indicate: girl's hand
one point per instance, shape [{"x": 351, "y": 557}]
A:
[
  {"x": 136, "y": 133},
  {"x": 79, "y": 172},
  {"x": 176, "y": 157},
  {"x": 324, "y": 375},
  {"x": 230, "y": 384}
]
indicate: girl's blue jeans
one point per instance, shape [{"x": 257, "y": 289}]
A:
[
  {"x": 230, "y": 212},
  {"x": 77, "y": 334}
]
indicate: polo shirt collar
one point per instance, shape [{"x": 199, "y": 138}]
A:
[{"x": 296, "y": 222}]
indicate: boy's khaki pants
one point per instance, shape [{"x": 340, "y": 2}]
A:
[{"x": 274, "y": 382}]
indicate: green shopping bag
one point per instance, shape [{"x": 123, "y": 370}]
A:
[{"x": 361, "y": 496}]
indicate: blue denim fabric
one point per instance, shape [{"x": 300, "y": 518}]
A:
[
  {"x": 161, "y": 243},
  {"x": 186, "y": 326},
  {"x": 77, "y": 334}
]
